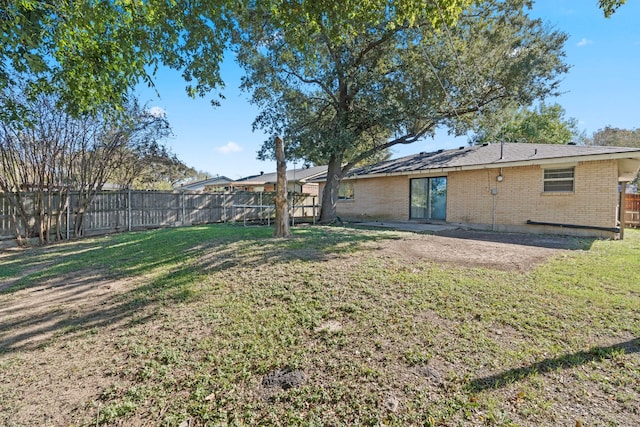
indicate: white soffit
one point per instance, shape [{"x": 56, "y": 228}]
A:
[{"x": 628, "y": 169}]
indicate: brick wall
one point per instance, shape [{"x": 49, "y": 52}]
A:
[
  {"x": 377, "y": 198},
  {"x": 519, "y": 198}
]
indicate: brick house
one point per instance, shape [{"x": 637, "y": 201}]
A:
[{"x": 538, "y": 188}]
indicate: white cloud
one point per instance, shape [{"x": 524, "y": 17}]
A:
[
  {"x": 157, "y": 111},
  {"x": 585, "y": 41},
  {"x": 229, "y": 147}
]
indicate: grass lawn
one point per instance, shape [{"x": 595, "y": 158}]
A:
[{"x": 223, "y": 325}]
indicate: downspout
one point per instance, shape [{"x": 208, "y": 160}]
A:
[{"x": 622, "y": 211}]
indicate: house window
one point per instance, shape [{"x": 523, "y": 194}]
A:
[
  {"x": 345, "y": 191},
  {"x": 428, "y": 198},
  {"x": 558, "y": 180}
]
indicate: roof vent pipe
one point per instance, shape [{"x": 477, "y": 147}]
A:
[{"x": 502, "y": 150}]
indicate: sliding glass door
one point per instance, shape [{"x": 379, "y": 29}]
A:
[{"x": 429, "y": 198}]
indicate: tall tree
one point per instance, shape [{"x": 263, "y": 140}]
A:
[
  {"x": 616, "y": 137},
  {"x": 545, "y": 124},
  {"x": 340, "y": 100}
]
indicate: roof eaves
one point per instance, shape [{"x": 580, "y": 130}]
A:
[
  {"x": 312, "y": 177},
  {"x": 504, "y": 164}
]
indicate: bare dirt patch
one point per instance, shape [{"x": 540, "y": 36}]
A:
[
  {"x": 503, "y": 251},
  {"x": 79, "y": 301}
]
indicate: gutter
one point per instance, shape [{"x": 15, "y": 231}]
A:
[{"x": 582, "y": 227}]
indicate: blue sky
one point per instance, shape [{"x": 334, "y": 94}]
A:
[{"x": 602, "y": 88}]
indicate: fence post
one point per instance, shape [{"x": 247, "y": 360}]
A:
[
  {"x": 184, "y": 218},
  {"x": 68, "y": 214},
  {"x": 129, "y": 217}
]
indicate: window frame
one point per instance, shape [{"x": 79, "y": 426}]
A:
[
  {"x": 428, "y": 209},
  {"x": 558, "y": 180},
  {"x": 343, "y": 194}
]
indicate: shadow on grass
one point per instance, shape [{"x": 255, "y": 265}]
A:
[
  {"x": 83, "y": 286},
  {"x": 549, "y": 365},
  {"x": 524, "y": 239},
  {"x": 131, "y": 254}
]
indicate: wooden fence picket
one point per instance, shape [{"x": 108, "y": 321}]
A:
[
  {"x": 113, "y": 211},
  {"x": 632, "y": 210}
]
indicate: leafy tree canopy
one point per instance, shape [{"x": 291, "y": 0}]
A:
[
  {"x": 297, "y": 21},
  {"x": 341, "y": 100},
  {"x": 610, "y": 6},
  {"x": 545, "y": 124},
  {"x": 615, "y": 137},
  {"x": 92, "y": 53}
]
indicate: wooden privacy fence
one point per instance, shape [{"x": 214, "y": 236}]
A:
[
  {"x": 112, "y": 211},
  {"x": 632, "y": 210}
]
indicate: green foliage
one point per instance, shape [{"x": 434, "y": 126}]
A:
[
  {"x": 299, "y": 21},
  {"x": 615, "y": 137},
  {"x": 91, "y": 54},
  {"x": 151, "y": 167},
  {"x": 545, "y": 124},
  {"x": 194, "y": 175},
  {"x": 610, "y": 6},
  {"x": 341, "y": 100}
]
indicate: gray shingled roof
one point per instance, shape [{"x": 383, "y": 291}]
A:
[
  {"x": 198, "y": 185},
  {"x": 297, "y": 175},
  {"x": 496, "y": 155}
]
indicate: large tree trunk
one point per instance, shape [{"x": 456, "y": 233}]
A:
[
  {"x": 330, "y": 191},
  {"x": 282, "y": 208}
]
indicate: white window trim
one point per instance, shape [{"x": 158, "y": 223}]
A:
[{"x": 564, "y": 179}]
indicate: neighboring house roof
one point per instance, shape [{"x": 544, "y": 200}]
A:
[
  {"x": 293, "y": 175},
  {"x": 501, "y": 155},
  {"x": 200, "y": 185}
]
